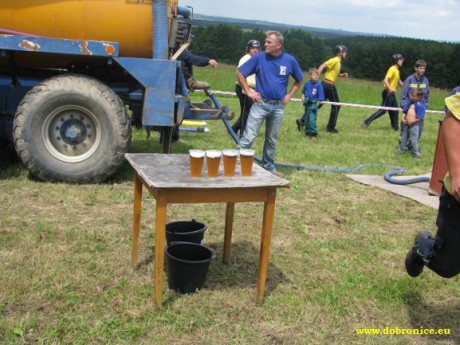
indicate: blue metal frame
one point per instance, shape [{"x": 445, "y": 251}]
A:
[
  {"x": 158, "y": 77},
  {"x": 162, "y": 90},
  {"x": 58, "y": 46}
]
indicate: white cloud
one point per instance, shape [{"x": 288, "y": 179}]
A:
[
  {"x": 436, "y": 18},
  {"x": 374, "y": 3},
  {"x": 443, "y": 13}
]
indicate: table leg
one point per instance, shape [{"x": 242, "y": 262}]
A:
[
  {"x": 229, "y": 212},
  {"x": 269, "y": 212},
  {"x": 160, "y": 237},
  {"x": 136, "y": 217}
]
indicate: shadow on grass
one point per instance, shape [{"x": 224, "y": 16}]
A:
[
  {"x": 10, "y": 165},
  {"x": 242, "y": 269},
  {"x": 445, "y": 316},
  {"x": 240, "y": 272}
]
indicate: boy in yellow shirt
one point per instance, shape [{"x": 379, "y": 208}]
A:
[
  {"x": 334, "y": 66},
  {"x": 390, "y": 83}
]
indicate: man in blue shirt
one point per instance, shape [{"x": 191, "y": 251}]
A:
[{"x": 272, "y": 69}]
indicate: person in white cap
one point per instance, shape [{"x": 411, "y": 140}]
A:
[
  {"x": 441, "y": 254},
  {"x": 252, "y": 48}
]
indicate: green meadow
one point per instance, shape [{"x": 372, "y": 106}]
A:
[{"x": 336, "y": 268}]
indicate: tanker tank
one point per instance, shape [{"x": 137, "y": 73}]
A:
[{"x": 128, "y": 22}]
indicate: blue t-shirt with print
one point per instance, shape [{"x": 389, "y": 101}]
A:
[
  {"x": 272, "y": 73},
  {"x": 313, "y": 90},
  {"x": 419, "y": 109}
]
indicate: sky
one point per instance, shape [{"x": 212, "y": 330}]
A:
[{"x": 425, "y": 19}]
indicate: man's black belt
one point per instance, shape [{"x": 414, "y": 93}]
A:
[{"x": 272, "y": 102}]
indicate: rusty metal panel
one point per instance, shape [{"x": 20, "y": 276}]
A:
[{"x": 58, "y": 46}]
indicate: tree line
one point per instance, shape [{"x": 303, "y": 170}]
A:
[{"x": 369, "y": 57}]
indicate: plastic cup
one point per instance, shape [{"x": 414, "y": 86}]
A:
[
  {"x": 247, "y": 160},
  {"x": 213, "y": 162},
  {"x": 230, "y": 157},
  {"x": 196, "y": 162}
]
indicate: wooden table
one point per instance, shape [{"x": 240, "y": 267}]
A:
[{"x": 167, "y": 178}]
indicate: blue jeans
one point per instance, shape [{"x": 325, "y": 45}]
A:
[
  {"x": 272, "y": 112},
  {"x": 410, "y": 134},
  {"x": 420, "y": 125}
]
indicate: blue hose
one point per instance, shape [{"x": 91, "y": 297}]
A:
[{"x": 388, "y": 176}]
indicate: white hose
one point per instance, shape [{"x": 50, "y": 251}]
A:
[{"x": 338, "y": 103}]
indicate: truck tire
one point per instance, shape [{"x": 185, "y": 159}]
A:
[{"x": 71, "y": 128}]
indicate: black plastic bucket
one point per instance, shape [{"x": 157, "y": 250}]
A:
[
  {"x": 185, "y": 231},
  {"x": 188, "y": 265}
]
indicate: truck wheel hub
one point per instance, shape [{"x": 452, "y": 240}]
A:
[{"x": 71, "y": 133}]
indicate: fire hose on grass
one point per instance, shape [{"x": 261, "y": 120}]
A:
[{"x": 388, "y": 176}]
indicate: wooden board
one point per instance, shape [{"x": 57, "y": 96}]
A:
[{"x": 173, "y": 171}]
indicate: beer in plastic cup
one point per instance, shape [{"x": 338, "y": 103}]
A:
[
  {"x": 230, "y": 157},
  {"x": 213, "y": 162},
  {"x": 196, "y": 162},
  {"x": 246, "y": 159}
]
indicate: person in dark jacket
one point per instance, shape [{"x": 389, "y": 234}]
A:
[
  {"x": 188, "y": 60},
  {"x": 440, "y": 253},
  {"x": 414, "y": 81}
]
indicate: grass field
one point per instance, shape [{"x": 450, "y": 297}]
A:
[{"x": 336, "y": 261}]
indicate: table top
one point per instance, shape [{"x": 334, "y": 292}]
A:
[{"x": 173, "y": 171}]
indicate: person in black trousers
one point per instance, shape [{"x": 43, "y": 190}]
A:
[
  {"x": 252, "y": 48},
  {"x": 391, "y": 81},
  {"x": 333, "y": 66},
  {"x": 441, "y": 254}
]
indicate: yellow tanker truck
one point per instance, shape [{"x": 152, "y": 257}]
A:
[{"x": 69, "y": 69}]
